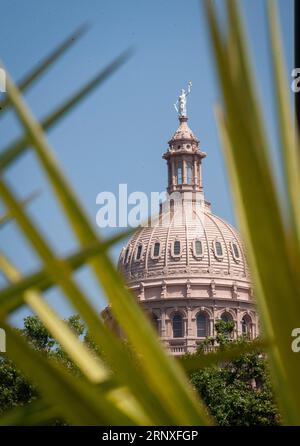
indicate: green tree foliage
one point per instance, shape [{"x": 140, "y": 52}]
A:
[
  {"x": 238, "y": 392},
  {"x": 15, "y": 390}
]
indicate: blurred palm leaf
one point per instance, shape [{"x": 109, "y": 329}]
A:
[
  {"x": 77, "y": 400},
  {"x": 18, "y": 147},
  {"x": 37, "y": 71},
  {"x": 6, "y": 217},
  {"x": 271, "y": 237},
  {"x": 78, "y": 353},
  {"x": 11, "y": 297},
  {"x": 153, "y": 391},
  {"x": 158, "y": 384},
  {"x": 33, "y": 414},
  {"x": 192, "y": 363}
]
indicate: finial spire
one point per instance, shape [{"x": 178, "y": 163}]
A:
[
  {"x": 184, "y": 157},
  {"x": 180, "y": 105}
]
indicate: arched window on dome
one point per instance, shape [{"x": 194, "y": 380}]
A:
[
  {"x": 202, "y": 322},
  {"x": 218, "y": 249},
  {"x": 126, "y": 256},
  {"x": 156, "y": 250},
  {"x": 176, "y": 248},
  {"x": 177, "y": 325},
  {"x": 197, "y": 248},
  {"x": 179, "y": 172},
  {"x": 138, "y": 253},
  {"x": 189, "y": 172},
  {"x": 235, "y": 251},
  {"x": 246, "y": 323}
]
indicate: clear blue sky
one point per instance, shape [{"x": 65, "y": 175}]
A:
[{"x": 118, "y": 134}]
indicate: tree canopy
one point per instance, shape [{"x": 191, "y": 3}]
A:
[{"x": 239, "y": 392}]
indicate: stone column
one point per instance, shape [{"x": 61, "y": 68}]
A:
[
  {"x": 159, "y": 326},
  {"x": 189, "y": 322},
  {"x": 184, "y": 179},
  {"x": 238, "y": 321},
  {"x": 200, "y": 174},
  {"x": 163, "y": 323},
  {"x": 185, "y": 326},
  {"x": 211, "y": 327},
  {"x": 213, "y": 322},
  {"x": 195, "y": 172}
]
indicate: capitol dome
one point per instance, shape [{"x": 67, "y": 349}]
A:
[
  {"x": 188, "y": 268},
  {"x": 206, "y": 246}
]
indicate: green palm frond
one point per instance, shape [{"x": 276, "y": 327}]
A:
[
  {"x": 33, "y": 414},
  {"x": 42, "y": 67},
  {"x": 160, "y": 372},
  {"x": 271, "y": 237},
  {"x": 6, "y": 217},
  {"x": 153, "y": 384},
  {"x": 140, "y": 383},
  {"x": 18, "y": 147}
]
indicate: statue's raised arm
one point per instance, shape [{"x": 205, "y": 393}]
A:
[{"x": 176, "y": 106}]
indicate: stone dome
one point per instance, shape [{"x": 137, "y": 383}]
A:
[
  {"x": 208, "y": 246},
  {"x": 192, "y": 268}
]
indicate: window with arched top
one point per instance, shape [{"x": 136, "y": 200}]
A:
[
  {"x": 202, "y": 322},
  {"x": 179, "y": 172},
  {"x": 138, "y": 253},
  {"x": 218, "y": 249},
  {"x": 156, "y": 250},
  {"x": 226, "y": 317},
  {"x": 126, "y": 256},
  {"x": 198, "y": 250},
  {"x": 177, "y": 325},
  {"x": 235, "y": 251},
  {"x": 176, "y": 248},
  {"x": 169, "y": 173},
  {"x": 246, "y": 326},
  {"x": 189, "y": 172}
]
